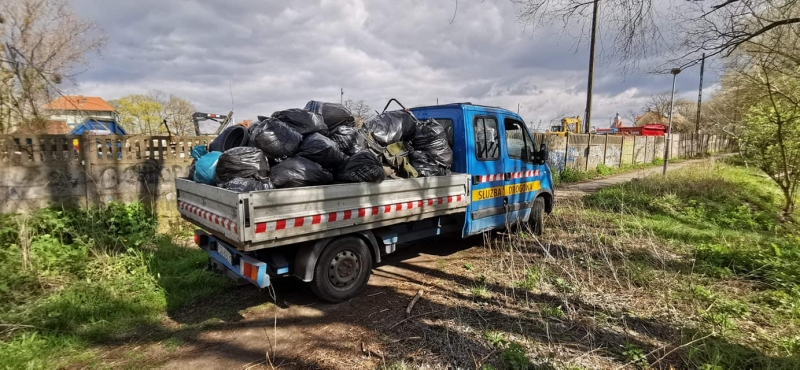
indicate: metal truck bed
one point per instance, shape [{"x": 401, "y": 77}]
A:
[{"x": 272, "y": 218}]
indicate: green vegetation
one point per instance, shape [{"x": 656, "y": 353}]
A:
[
  {"x": 532, "y": 279},
  {"x": 515, "y": 358},
  {"x": 635, "y": 355},
  {"x": 746, "y": 255},
  {"x": 481, "y": 291},
  {"x": 77, "y": 278}
]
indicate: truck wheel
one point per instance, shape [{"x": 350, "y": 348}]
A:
[
  {"x": 342, "y": 270},
  {"x": 537, "y": 216}
]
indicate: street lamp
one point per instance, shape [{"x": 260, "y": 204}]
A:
[{"x": 674, "y": 72}]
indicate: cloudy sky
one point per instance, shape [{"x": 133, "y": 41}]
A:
[{"x": 280, "y": 54}]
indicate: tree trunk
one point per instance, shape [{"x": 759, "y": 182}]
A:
[{"x": 788, "y": 208}]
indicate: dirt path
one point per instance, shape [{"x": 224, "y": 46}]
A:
[{"x": 238, "y": 328}]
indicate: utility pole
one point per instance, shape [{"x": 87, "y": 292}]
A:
[
  {"x": 517, "y": 108},
  {"x": 668, "y": 143},
  {"x": 341, "y": 96},
  {"x": 588, "y": 114},
  {"x": 700, "y": 94}
]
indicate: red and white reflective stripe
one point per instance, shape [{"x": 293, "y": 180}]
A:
[
  {"x": 522, "y": 174},
  {"x": 489, "y": 178},
  {"x": 209, "y": 216},
  {"x": 262, "y": 227}
]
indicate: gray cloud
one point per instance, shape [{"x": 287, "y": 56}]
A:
[{"x": 280, "y": 54}]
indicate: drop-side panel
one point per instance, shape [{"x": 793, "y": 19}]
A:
[
  {"x": 314, "y": 212},
  {"x": 214, "y": 209}
]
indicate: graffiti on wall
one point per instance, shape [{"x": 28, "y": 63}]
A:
[{"x": 613, "y": 153}]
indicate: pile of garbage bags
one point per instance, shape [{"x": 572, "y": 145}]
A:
[{"x": 319, "y": 145}]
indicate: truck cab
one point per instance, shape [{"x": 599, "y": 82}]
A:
[
  {"x": 331, "y": 236},
  {"x": 508, "y": 171}
]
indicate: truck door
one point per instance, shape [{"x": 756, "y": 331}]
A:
[
  {"x": 485, "y": 165},
  {"x": 521, "y": 175}
]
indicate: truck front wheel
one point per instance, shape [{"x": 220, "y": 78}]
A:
[
  {"x": 537, "y": 216},
  {"x": 342, "y": 270}
]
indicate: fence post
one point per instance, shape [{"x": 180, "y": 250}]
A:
[
  {"x": 86, "y": 158},
  {"x": 605, "y": 150},
  {"x": 633, "y": 151},
  {"x": 621, "y": 149},
  {"x": 588, "y": 150},
  {"x": 566, "y": 149},
  {"x": 646, "y": 140}
]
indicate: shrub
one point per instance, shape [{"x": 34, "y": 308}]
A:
[{"x": 604, "y": 170}]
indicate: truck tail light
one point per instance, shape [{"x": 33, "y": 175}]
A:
[
  {"x": 249, "y": 270},
  {"x": 197, "y": 239}
]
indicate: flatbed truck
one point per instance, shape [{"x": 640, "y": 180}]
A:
[{"x": 331, "y": 236}]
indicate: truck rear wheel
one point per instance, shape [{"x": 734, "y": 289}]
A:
[
  {"x": 342, "y": 270},
  {"x": 537, "y": 216}
]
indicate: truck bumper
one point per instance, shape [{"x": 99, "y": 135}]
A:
[{"x": 226, "y": 259}]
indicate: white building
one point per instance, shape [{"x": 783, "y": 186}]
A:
[{"x": 75, "y": 110}]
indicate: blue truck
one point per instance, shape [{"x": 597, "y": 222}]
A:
[{"x": 331, "y": 236}]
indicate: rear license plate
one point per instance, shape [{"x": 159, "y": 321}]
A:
[{"x": 225, "y": 254}]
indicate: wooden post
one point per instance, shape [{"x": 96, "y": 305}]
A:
[
  {"x": 633, "y": 151},
  {"x": 588, "y": 150},
  {"x": 566, "y": 149},
  {"x": 605, "y": 150},
  {"x": 621, "y": 149}
]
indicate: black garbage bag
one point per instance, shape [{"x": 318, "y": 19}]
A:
[
  {"x": 425, "y": 165},
  {"x": 244, "y": 185},
  {"x": 302, "y": 121},
  {"x": 275, "y": 138},
  {"x": 322, "y": 150},
  {"x": 361, "y": 167},
  {"x": 430, "y": 137},
  {"x": 391, "y": 127},
  {"x": 242, "y": 162},
  {"x": 298, "y": 171},
  {"x": 231, "y": 137},
  {"x": 191, "y": 169},
  {"x": 349, "y": 139},
  {"x": 333, "y": 114}
]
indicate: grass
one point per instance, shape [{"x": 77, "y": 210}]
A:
[
  {"x": 74, "y": 279},
  {"x": 571, "y": 175},
  {"x": 746, "y": 258},
  {"x": 694, "y": 270}
]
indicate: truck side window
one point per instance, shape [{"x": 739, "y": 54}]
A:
[
  {"x": 516, "y": 139},
  {"x": 487, "y": 141},
  {"x": 447, "y": 123}
]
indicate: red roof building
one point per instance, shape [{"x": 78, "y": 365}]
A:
[{"x": 76, "y": 109}]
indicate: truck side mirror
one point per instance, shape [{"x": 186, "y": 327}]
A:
[{"x": 543, "y": 154}]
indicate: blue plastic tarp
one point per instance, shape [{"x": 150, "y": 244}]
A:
[{"x": 91, "y": 124}]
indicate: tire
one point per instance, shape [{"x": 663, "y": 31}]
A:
[
  {"x": 537, "y": 216},
  {"x": 342, "y": 270}
]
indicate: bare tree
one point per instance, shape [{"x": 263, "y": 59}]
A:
[
  {"x": 717, "y": 27},
  {"x": 633, "y": 115},
  {"x": 360, "y": 110},
  {"x": 632, "y": 23},
  {"x": 145, "y": 114},
  {"x": 178, "y": 113},
  {"x": 43, "y": 42}
]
